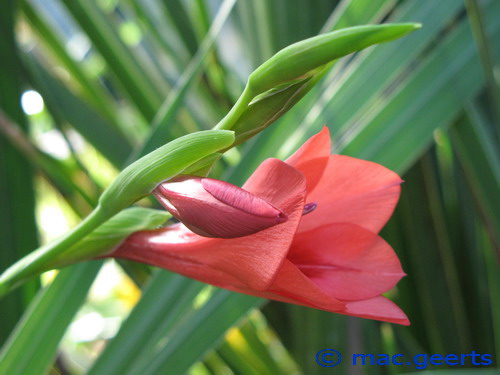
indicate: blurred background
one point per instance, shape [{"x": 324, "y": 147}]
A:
[{"x": 87, "y": 85}]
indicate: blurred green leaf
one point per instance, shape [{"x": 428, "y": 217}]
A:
[
  {"x": 67, "y": 107},
  {"x": 412, "y": 128},
  {"x": 166, "y": 299},
  {"x": 479, "y": 157},
  {"x": 60, "y": 175},
  {"x": 162, "y": 122},
  {"x": 144, "y": 91},
  {"x": 33, "y": 345},
  {"x": 18, "y": 232},
  {"x": 192, "y": 338},
  {"x": 52, "y": 42}
]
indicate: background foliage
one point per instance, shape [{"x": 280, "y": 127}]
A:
[{"x": 119, "y": 77}]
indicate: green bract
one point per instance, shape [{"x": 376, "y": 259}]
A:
[
  {"x": 111, "y": 233},
  {"x": 204, "y": 166}
]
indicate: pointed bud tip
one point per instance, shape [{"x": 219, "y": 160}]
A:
[{"x": 240, "y": 199}]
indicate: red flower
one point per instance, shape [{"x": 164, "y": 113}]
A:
[{"x": 330, "y": 259}]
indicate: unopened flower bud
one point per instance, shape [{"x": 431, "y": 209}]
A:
[{"x": 214, "y": 208}]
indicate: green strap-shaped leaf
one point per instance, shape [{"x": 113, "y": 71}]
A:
[
  {"x": 88, "y": 87},
  {"x": 17, "y": 218},
  {"x": 33, "y": 345},
  {"x": 167, "y": 113},
  {"x": 145, "y": 92},
  {"x": 473, "y": 141},
  {"x": 170, "y": 332},
  {"x": 388, "y": 132},
  {"x": 167, "y": 299}
]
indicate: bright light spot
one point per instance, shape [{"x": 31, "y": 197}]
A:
[
  {"x": 32, "y": 102},
  {"x": 203, "y": 297},
  {"x": 53, "y": 143},
  {"x": 113, "y": 283},
  {"x": 108, "y": 5},
  {"x": 109, "y": 278},
  {"x": 53, "y": 221},
  {"x": 232, "y": 156},
  {"x": 87, "y": 328},
  {"x": 49, "y": 276},
  {"x": 78, "y": 46},
  {"x": 130, "y": 33}
]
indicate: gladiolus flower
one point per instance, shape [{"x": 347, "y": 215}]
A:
[{"x": 326, "y": 255}]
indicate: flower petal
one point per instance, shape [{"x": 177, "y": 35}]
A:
[
  {"x": 213, "y": 208},
  {"x": 318, "y": 146},
  {"x": 346, "y": 261},
  {"x": 352, "y": 191},
  {"x": 250, "y": 261},
  {"x": 378, "y": 308},
  {"x": 292, "y": 286},
  {"x": 312, "y": 157}
]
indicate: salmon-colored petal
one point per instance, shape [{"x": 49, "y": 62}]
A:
[
  {"x": 378, "y": 308},
  {"x": 176, "y": 249},
  {"x": 290, "y": 286},
  {"x": 251, "y": 261},
  {"x": 318, "y": 146},
  {"x": 312, "y": 157},
  {"x": 346, "y": 261},
  {"x": 353, "y": 191},
  {"x": 295, "y": 287}
]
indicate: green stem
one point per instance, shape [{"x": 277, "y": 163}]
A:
[
  {"x": 40, "y": 260},
  {"x": 235, "y": 113}
]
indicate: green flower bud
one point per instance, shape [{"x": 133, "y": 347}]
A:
[
  {"x": 298, "y": 60},
  {"x": 141, "y": 177}
]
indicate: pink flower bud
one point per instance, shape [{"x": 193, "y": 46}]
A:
[{"x": 214, "y": 208}]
